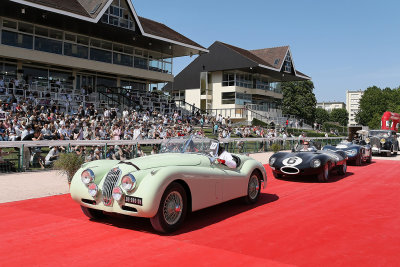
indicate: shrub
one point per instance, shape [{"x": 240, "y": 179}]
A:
[
  {"x": 276, "y": 147},
  {"x": 257, "y": 122},
  {"x": 68, "y": 164}
]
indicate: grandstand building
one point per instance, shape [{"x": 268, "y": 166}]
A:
[
  {"x": 86, "y": 52},
  {"x": 235, "y": 82}
]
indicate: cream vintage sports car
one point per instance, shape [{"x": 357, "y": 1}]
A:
[{"x": 184, "y": 177}]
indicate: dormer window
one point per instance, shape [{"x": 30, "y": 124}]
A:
[
  {"x": 118, "y": 14},
  {"x": 287, "y": 65}
]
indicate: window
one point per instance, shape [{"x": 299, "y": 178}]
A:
[
  {"x": 9, "y": 24},
  {"x": 100, "y": 55},
  {"x": 140, "y": 63},
  {"x": 74, "y": 50},
  {"x": 243, "y": 99},
  {"x": 244, "y": 80},
  {"x": 118, "y": 14},
  {"x": 16, "y": 39},
  {"x": 48, "y": 45},
  {"x": 122, "y": 59},
  {"x": 228, "y": 79},
  {"x": 25, "y": 27},
  {"x": 228, "y": 98}
]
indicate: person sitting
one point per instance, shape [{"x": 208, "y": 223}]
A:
[
  {"x": 224, "y": 157},
  {"x": 306, "y": 147}
]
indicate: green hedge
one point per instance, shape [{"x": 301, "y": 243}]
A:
[
  {"x": 328, "y": 126},
  {"x": 257, "y": 122}
]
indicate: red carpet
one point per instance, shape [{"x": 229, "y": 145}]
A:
[{"x": 351, "y": 221}]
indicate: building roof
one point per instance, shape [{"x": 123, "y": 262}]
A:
[
  {"x": 274, "y": 56},
  {"x": 93, "y": 10},
  {"x": 155, "y": 28},
  {"x": 226, "y": 57},
  {"x": 246, "y": 53}
]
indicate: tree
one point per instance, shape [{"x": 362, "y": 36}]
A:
[
  {"x": 321, "y": 115},
  {"x": 371, "y": 103},
  {"x": 339, "y": 115},
  {"x": 299, "y": 100},
  {"x": 374, "y": 103}
]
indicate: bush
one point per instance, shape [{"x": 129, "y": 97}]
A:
[
  {"x": 276, "y": 147},
  {"x": 68, "y": 164},
  {"x": 328, "y": 126},
  {"x": 257, "y": 122}
]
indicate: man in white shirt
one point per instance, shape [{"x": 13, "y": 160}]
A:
[
  {"x": 224, "y": 157},
  {"x": 51, "y": 156}
]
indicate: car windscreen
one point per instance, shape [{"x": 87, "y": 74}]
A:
[
  {"x": 379, "y": 133},
  {"x": 190, "y": 144}
]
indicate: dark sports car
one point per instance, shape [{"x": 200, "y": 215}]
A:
[
  {"x": 356, "y": 153},
  {"x": 305, "y": 161}
]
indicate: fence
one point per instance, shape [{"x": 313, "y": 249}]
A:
[{"x": 20, "y": 156}]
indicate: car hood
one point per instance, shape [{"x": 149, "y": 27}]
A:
[{"x": 163, "y": 160}]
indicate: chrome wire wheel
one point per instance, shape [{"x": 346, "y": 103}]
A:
[
  {"x": 172, "y": 208},
  {"x": 254, "y": 187}
]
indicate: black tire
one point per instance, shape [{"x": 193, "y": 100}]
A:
[
  {"x": 359, "y": 160},
  {"x": 277, "y": 175},
  {"x": 369, "y": 160},
  {"x": 343, "y": 169},
  {"x": 92, "y": 213},
  {"x": 324, "y": 175},
  {"x": 253, "y": 188},
  {"x": 175, "y": 194}
]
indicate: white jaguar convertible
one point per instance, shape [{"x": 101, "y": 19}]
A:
[{"x": 184, "y": 177}]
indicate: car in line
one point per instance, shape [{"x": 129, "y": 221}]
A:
[
  {"x": 165, "y": 187},
  {"x": 308, "y": 161},
  {"x": 356, "y": 153},
  {"x": 383, "y": 142}
]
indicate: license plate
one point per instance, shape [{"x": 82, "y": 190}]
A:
[{"x": 133, "y": 200}]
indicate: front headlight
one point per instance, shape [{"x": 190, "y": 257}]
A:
[
  {"x": 117, "y": 193},
  {"x": 128, "y": 182},
  {"x": 87, "y": 177},
  {"x": 367, "y": 140},
  {"x": 383, "y": 140},
  {"x": 272, "y": 161},
  {"x": 315, "y": 163},
  {"x": 93, "y": 189},
  {"x": 351, "y": 152}
]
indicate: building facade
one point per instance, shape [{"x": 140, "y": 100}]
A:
[
  {"x": 353, "y": 105},
  {"x": 329, "y": 106},
  {"x": 230, "y": 79},
  {"x": 90, "y": 46}
]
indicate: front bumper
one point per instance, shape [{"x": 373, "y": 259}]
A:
[
  {"x": 377, "y": 150},
  {"x": 308, "y": 171}
]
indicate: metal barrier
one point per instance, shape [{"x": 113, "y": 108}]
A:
[{"x": 22, "y": 155}]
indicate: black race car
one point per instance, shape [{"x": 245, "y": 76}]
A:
[
  {"x": 356, "y": 153},
  {"x": 308, "y": 161}
]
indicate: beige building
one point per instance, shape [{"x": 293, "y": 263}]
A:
[
  {"x": 329, "y": 106},
  {"x": 235, "y": 82},
  {"x": 353, "y": 105}
]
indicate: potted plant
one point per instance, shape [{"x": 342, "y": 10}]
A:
[{"x": 68, "y": 164}]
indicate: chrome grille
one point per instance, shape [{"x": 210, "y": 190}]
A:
[
  {"x": 109, "y": 184},
  {"x": 375, "y": 141}
]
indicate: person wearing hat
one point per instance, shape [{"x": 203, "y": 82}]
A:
[{"x": 225, "y": 158}]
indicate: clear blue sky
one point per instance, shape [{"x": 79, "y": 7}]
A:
[{"x": 342, "y": 45}]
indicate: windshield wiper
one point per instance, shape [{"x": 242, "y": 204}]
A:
[{"x": 129, "y": 163}]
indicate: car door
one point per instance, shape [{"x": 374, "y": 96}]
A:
[
  {"x": 234, "y": 183},
  {"x": 206, "y": 184}
]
